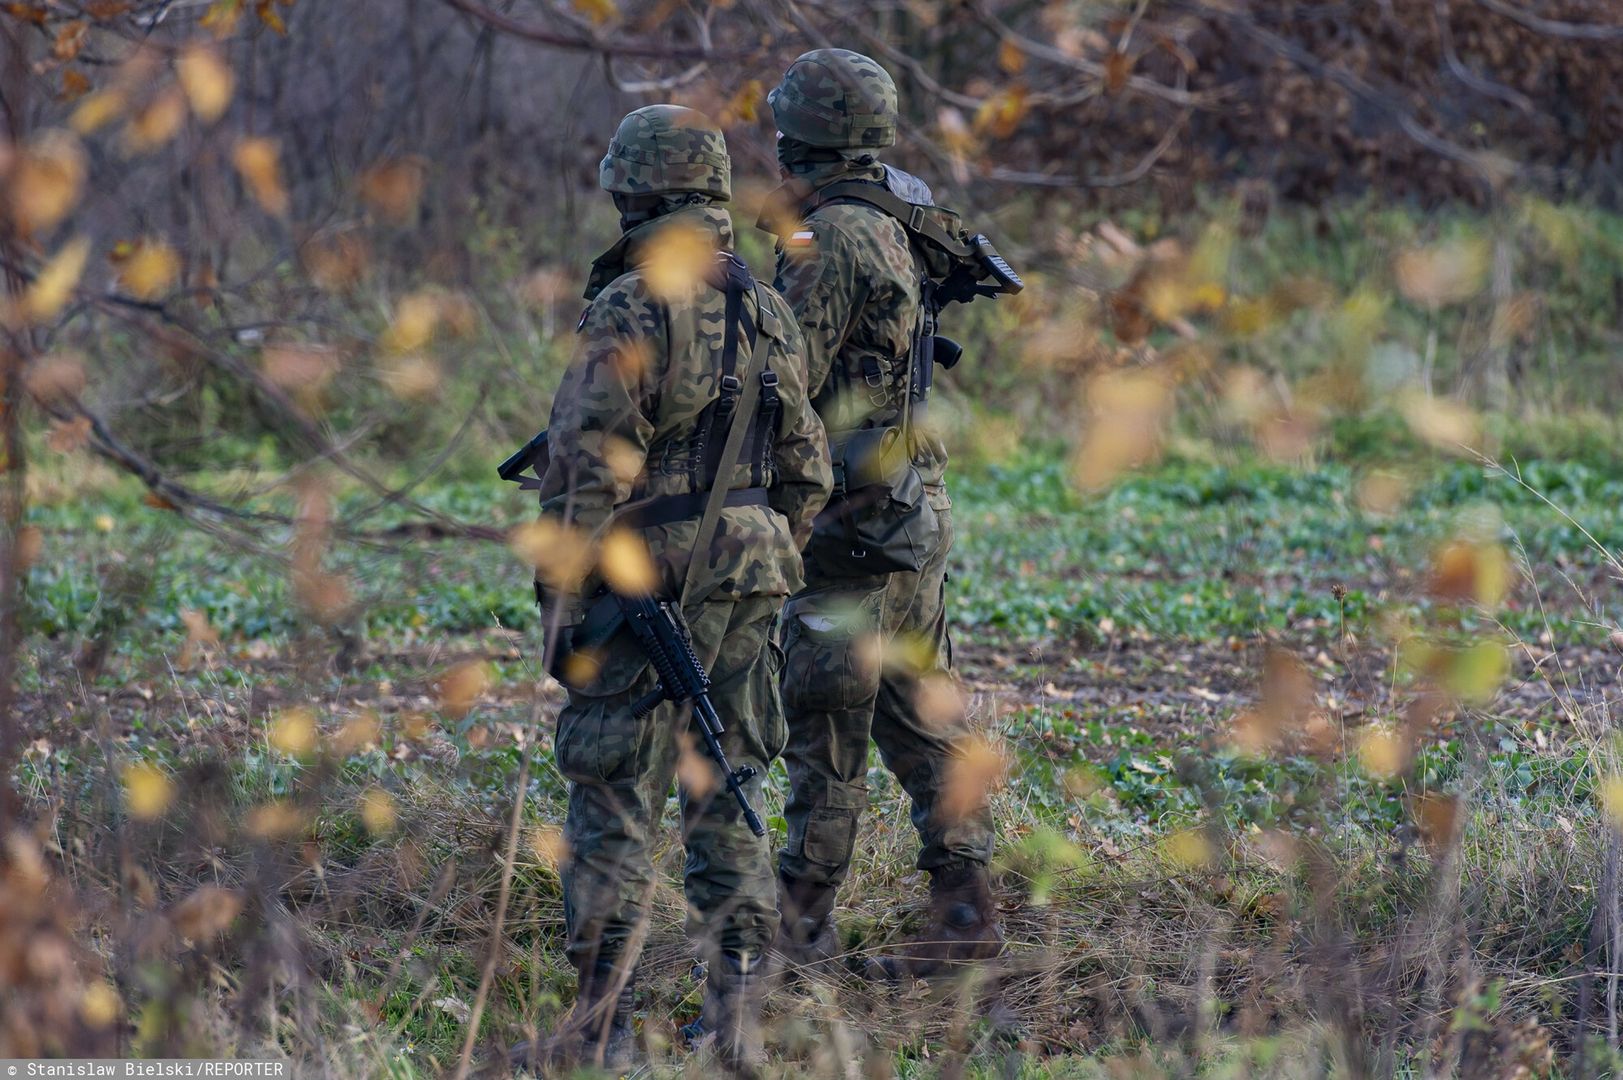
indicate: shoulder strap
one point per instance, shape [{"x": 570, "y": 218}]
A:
[
  {"x": 743, "y": 416},
  {"x": 881, "y": 198}
]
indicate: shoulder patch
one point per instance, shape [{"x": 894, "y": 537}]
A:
[{"x": 582, "y": 324}]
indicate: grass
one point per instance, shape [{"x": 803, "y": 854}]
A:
[
  {"x": 1370, "y": 889},
  {"x": 1107, "y": 643}
]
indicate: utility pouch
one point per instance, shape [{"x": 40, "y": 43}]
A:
[{"x": 879, "y": 520}]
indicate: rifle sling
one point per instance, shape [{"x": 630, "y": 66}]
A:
[
  {"x": 881, "y": 198},
  {"x": 743, "y": 417}
]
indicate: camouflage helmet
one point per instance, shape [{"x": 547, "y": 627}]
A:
[
  {"x": 660, "y": 149},
  {"x": 836, "y": 99}
]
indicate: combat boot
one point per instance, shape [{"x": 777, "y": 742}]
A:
[
  {"x": 597, "y": 1034},
  {"x": 807, "y": 941},
  {"x": 730, "y": 1019},
  {"x": 963, "y": 920}
]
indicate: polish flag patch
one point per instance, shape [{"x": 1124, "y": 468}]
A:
[{"x": 803, "y": 238}]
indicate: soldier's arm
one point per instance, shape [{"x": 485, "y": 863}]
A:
[
  {"x": 600, "y": 430},
  {"x": 816, "y": 274},
  {"x": 801, "y": 454}
]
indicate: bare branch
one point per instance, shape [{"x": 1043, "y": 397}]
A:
[
  {"x": 1554, "y": 27},
  {"x": 541, "y": 35}
]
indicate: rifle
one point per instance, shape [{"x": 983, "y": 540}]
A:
[
  {"x": 663, "y": 634},
  {"x": 535, "y": 452}
]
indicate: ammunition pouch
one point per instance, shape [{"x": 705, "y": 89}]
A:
[{"x": 879, "y": 520}]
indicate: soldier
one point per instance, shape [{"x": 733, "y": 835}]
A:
[
  {"x": 854, "y": 280},
  {"x": 636, "y": 437}
]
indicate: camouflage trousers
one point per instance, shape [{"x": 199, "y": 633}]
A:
[
  {"x": 620, "y": 770},
  {"x": 857, "y": 651}
]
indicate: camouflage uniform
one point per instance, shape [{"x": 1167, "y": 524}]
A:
[
  {"x": 849, "y": 272},
  {"x": 633, "y": 402}
]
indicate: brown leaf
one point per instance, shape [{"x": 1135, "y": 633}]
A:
[
  {"x": 695, "y": 771},
  {"x": 55, "y": 377},
  {"x": 1010, "y": 57},
  {"x": 1118, "y": 67},
  {"x": 462, "y": 686},
  {"x": 394, "y": 188},
  {"x": 70, "y": 39},
  {"x": 206, "y": 913},
  {"x": 66, "y": 436},
  {"x": 976, "y": 770},
  {"x": 75, "y": 84}
]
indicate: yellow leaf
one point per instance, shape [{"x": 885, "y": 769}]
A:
[
  {"x": 677, "y": 259},
  {"x": 293, "y": 732},
  {"x": 625, "y": 564},
  {"x": 156, "y": 124},
  {"x": 956, "y": 135},
  {"x": 207, "y": 80},
  {"x": 1467, "y": 571},
  {"x": 1476, "y": 672},
  {"x": 411, "y": 378},
  {"x": 1382, "y": 753},
  {"x": 54, "y": 285},
  {"x": 46, "y": 181},
  {"x": 1000, "y": 114},
  {"x": 275, "y": 820},
  {"x": 378, "y": 812},
  {"x": 1443, "y": 422},
  {"x": 1611, "y": 800},
  {"x": 415, "y": 317},
  {"x": 258, "y": 160},
  {"x": 549, "y": 845},
  {"x": 151, "y": 267},
  {"x": 1189, "y": 848},
  {"x": 559, "y": 553},
  {"x": 96, "y": 111},
  {"x": 100, "y": 1006},
  {"x": 147, "y": 791}
]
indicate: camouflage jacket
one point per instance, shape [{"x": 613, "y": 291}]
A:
[
  {"x": 644, "y": 370},
  {"x": 849, "y": 273}
]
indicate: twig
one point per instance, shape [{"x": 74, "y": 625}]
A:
[{"x": 1554, "y": 27}]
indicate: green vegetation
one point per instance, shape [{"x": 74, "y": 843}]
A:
[{"x": 1109, "y": 643}]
